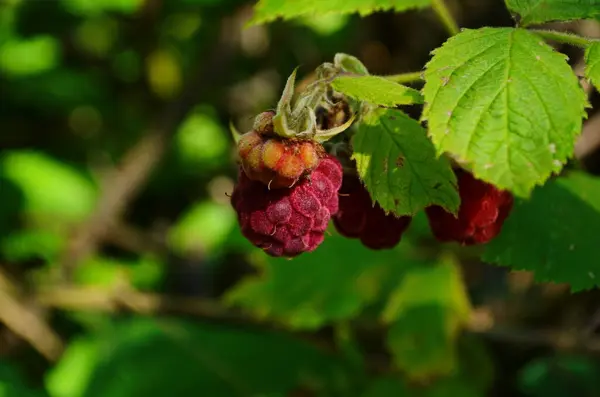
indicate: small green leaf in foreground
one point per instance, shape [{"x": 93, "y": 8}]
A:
[
  {"x": 539, "y": 11},
  {"x": 541, "y": 234},
  {"x": 377, "y": 90},
  {"x": 506, "y": 102},
  {"x": 141, "y": 357},
  {"x": 398, "y": 165},
  {"x": 426, "y": 313},
  {"x": 592, "y": 64},
  {"x": 269, "y": 10}
]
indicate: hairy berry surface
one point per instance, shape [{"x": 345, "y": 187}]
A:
[
  {"x": 359, "y": 218},
  {"x": 277, "y": 163},
  {"x": 482, "y": 212},
  {"x": 288, "y": 222}
]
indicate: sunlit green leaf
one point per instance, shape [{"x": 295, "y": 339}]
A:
[
  {"x": 102, "y": 271},
  {"x": 377, "y": 90},
  {"x": 24, "y": 57},
  {"x": 50, "y": 188},
  {"x": 95, "y": 7},
  {"x": 201, "y": 141},
  {"x": 203, "y": 228},
  {"x": 592, "y": 64},
  {"x": 269, "y": 10},
  {"x": 505, "y": 102}
]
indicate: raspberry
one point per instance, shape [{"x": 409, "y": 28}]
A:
[
  {"x": 359, "y": 218},
  {"x": 482, "y": 212},
  {"x": 288, "y": 222},
  {"x": 277, "y": 162}
]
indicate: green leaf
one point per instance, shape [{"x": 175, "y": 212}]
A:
[
  {"x": 25, "y": 57},
  {"x": 539, "y": 11},
  {"x": 552, "y": 234},
  {"x": 143, "y": 272},
  {"x": 592, "y": 64},
  {"x": 269, "y": 10},
  {"x": 49, "y": 187},
  {"x": 386, "y": 387},
  {"x": 473, "y": 375},
  {"x": 12, "y": 383},
  {"x": 95, "y": 7},
  {"x": 377, "y": 90},
  {"x": 505, "y": 102},
  {"x": 426, "y": 312},
  {"x": 562, "y": 375},
  {"x": 201, "y": 141},
  {"x": 332, "y": 283},
  {"x": 28, "y": 244},
  {"x": 203, "y": 228},
  {"x": 398, "y": 164},
  {"x": 168, "y": 357}
]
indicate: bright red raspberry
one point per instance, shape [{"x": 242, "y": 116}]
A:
[
  {"x": 274, "y": 161},
  {"x": 288, "y": 222},
  {"x": 482, "y": 212},
  {"x": 359, "y": 218}
]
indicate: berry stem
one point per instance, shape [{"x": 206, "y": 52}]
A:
[
  {"x": 566, "y": 38},
  {"x": 403, "y": 78},
  {"x": 443, "y": 13}
]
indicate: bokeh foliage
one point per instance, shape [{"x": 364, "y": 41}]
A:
[{"x": 81, "y": 83}]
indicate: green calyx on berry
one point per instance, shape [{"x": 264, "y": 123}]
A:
[{"x": 300, "y": 121}]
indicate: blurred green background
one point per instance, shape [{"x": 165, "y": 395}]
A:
[{"x": 122, "y": 268}]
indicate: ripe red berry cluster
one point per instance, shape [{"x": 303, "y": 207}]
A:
[
  {"x": 359, "y": 218},
  {"x": 289, "y": 221},
  {"x": 483, "y": 210},
  {"x": 288, "y": 189}
]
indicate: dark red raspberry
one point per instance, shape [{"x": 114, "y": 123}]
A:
[
  {"x": 288, "y": 222},
  {"x": 482, "y": 212},
  {"x": 359, "y": 218}
]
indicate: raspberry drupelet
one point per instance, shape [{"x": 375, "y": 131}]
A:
[
  {"x": 482, "y": 212},
  {"x": 359, "y": 218},
  {"x": 287, "y": 222}
]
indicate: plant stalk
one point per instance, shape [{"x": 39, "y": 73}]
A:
[
  {"x": 566, "y": 38},
  {"x": 443, "y": 13}
]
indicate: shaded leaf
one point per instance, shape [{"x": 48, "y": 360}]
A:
[
  {"x": 12, "y": 383},
  {"x": 386, "y": 387},
  {"x": 330, "y": 284},
  {"x": 426, "y": 312},
  {"x": 558, "y": 376},
  {"x": 539, "y": 11},
  {"x": 505, "y": 102},
  {"x": 398, "y": 165},
  {"x": 141, "y": 357},
  {"x": 554, "y": 233}
]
